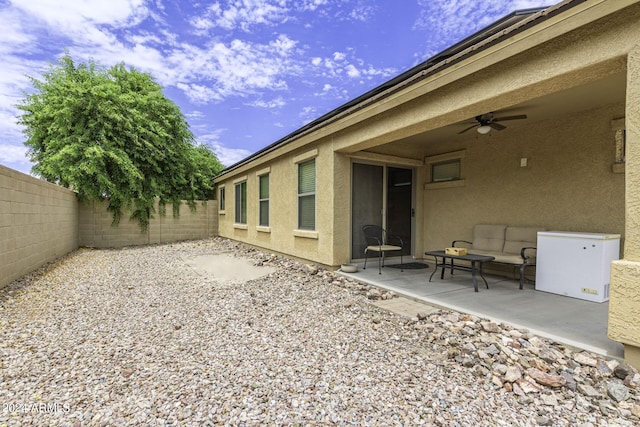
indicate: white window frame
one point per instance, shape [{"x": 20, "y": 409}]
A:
[
  {"x": 298, "y": 161},
  {"x": 307, "y": 194},
  {"x": 238, "y": 217},
  {"x": 222, "y": 199},
  {"x": 264, "y": 200}
]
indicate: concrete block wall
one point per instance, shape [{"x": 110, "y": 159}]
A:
[
  {"x": 96, "y": 230},
  {"x": 200, "y": 224},
  {"x": 38, "y": 223}
]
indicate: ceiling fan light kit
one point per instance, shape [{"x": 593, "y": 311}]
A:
[
  {"x": 485, "y": 122},
  {"x": 485, "y": 129}
]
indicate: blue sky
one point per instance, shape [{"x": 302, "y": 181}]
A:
[{"x": 245, "y": 73}]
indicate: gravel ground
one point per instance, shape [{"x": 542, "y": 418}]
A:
[{"x": 136, "y": 336}]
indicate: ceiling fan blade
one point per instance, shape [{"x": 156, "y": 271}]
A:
[
  {"x": 467, "y": 129},
  {"x": 497, "y": 126},
  {"x": 516, "y": 117}
]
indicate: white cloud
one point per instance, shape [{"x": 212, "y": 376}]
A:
[
  {"x": 242, "y": 14},
  {"x": 229, "y": 156},
  {"x": 144, "y": 38},
  {"x": 453, "y": 20},
  {"x": 199, "y": 94},
  {"x": 13, "y": 80},
  {"x": 226, "y": 155},
  {"x": 206, "y": 73},
  {"x": 246, "y": 15},
  {"x": 308, "y": 114},
  {"x": 69, "y": 16},
  {"x": 341, "y": 64},
  {"x": 311, "y": 4},
  {"x": 375, "y": 72},
  {"x": 208, "y": 69},
  {"x": 195, "y": 114},
  {"x": 234, "y": 69},
  {"x": 352, "y": 71},
  {"x": 362, "y": 12},
  {"x": 16, "y": 155},
  {"x": 274, "y": 103},
  {"x": 14, "y": 38}
]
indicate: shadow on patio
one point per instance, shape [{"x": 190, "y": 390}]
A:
[{"x": 570, "y": 321}]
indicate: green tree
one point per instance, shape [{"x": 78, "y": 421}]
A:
[{"x": 112, "y": 133}]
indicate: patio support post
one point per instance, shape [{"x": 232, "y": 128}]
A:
[{"x": 624, "y": 303}]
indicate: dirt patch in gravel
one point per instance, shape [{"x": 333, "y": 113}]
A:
[{"x": 228, "y": 268}]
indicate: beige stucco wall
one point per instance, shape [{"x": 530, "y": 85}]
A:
[
  {"x": 568, "y": 183},
  {"x": 282, "y": 234},
  {"x": 342, "y": 209},
  {"x": 38, "y": 223},
  {"x": 95, "y": 227},
  {"x": 624, "y": 305}
]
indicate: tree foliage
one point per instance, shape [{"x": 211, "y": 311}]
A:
[{"x": 112, "y": 133}]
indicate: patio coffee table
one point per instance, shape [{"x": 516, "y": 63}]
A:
[{"x": 475, "y": 260}]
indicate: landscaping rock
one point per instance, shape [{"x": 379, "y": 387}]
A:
[
  {"x": 618, "y": 392},
  {"x": 546, "y": 379},
  {"x": 135, "y": 336}
]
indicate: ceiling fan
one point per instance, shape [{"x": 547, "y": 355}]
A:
[{"x": 486, "y": 122}]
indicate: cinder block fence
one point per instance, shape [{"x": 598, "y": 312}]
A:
[
  {"x": 40, "y": 222},
  {"x": 96, "y": 231}
]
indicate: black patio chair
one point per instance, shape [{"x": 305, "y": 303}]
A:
[{"x": 378, "y": 241}]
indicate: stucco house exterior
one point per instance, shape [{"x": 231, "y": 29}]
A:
[{"x": 400, "y": 156}]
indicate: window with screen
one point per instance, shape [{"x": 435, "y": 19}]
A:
[
  {"x": 445, "y": 171},
  {"x": 307, "y": 195},
  {"x": 222, "y": 199},
  {"x": 241, "y": 203},
  {"x": 263, "y": 200}
]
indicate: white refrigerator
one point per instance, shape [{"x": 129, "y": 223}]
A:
[{"x": 576, "y": 264}]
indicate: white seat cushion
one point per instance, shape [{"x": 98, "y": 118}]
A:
[
  {"x": 383, "y": 248},
  {"x": 521, "y": 237},
  {"x": 499, "y": 256},
  {"x": 489, "y": 237}
]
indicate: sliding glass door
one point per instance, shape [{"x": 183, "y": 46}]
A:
[
  {"x": 366, "y": 203},
  {"x": 381, "y": 195},
  {"x": 399, "y": 205}
]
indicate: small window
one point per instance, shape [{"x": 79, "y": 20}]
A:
[
  {"x": 445, "y": 171},
  {"x": 241, "y": 203},
  {"x": 222, "y": 199},
  {"x": 263, "y": 200},
  {"x": 307, "y": 195}
]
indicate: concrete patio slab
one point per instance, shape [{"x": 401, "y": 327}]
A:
[
  {"x": 406, "y": 307},
  {"x": 574, "y": 322}
]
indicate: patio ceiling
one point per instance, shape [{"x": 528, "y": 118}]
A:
[{"x": 606, "y": 91}]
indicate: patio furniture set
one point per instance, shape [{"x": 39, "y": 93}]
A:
[{"x": 495, "y": 243}]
